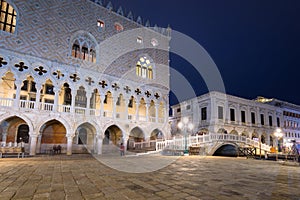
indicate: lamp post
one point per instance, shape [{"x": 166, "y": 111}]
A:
[
  {"x": 184, "y": 125},
  {"x": 278, "y": 134}
]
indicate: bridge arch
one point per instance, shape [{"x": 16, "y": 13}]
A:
[{"x": 224, "y": 149}]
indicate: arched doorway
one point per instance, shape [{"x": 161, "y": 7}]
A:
[
  {"x": 23, "y": 133},
  {"x": 137, "y": 134},
  {"x": 156, "y": 134},
  {"x": 53, "y": 133},
  {"x": 13, "y": 128},
  {"x": 112, "y": 135},
  {"x": 84, "y": 140}
]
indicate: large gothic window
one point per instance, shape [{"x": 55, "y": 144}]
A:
[
  {"x": 8, "y": 17},
  {"x": 144, "y": 68},
  {"x": 83, "y": 48}
]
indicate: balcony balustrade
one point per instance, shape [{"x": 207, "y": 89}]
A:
[{"x": 50, "y": 107}]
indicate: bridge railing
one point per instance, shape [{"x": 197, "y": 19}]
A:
[{"x": 180, "y": 143}]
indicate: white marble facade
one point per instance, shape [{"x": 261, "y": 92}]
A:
[
  {"x": 77, "y": 72},
  {"x": 217, "y": 112}
]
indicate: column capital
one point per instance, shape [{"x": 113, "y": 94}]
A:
[{"x": 70, "y": 136}]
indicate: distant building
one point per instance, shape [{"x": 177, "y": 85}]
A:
[
  {"x": 79, "y": 74},
  {"x": 258, "y": 119}
]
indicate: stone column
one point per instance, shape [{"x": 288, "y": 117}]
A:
[
  {"x": 4, "y": 137},
  {"x": 137, "y": 111},
  {"x": 258, "y": 120},
  {"x": 56, "y": 92},
  {"x": 69, "y": 145},
  {"x": 38, "y": 146},
  {"x": 33, "y": 140},
  {"x": 18, "y": 92},
  {"x": 125, "y": 139},
  {"x": 99, "y": 144},
  {"x": 166, "y": 114},
  {"x": 147, "y": 111},
  {"x": 238, "y": 114},
  {"x": 156, "y": 112},
  {"x": 248, "y": 116},
  {"x": 73, "y": 92},
  {"x": 102, "y": 97},
  {"x": 268, "y": 139},
  {"x": 126, "y": 100},
  {"x": 38, "y": 96},
  {"x": 114, "y": 101},
  {"x": 88, "y": 102}
]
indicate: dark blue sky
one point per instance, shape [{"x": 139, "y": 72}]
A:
[{"x": 254, "y": 43}]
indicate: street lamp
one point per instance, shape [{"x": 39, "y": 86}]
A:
[
  {"x": 184, "y": 125},
  {"x": 278, "y": 134}
]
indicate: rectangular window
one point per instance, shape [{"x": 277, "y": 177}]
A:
[
  {"x": 139, "y": 40},
  {"x": 232, "y": 114},
  {"x": 204, "y": 113},
  {"x": 252, "y": 117},
  {"x": 262, "y": 119},
  {"x": 100, "y": 24},
  {"x": 188, "y": 107},
  {"x": 7, "y": 17},
  {"x": 150, "y": 73},
  {"x": 220, "y": 112},
  {"x": 178, "y": 110},
  {"x": 270, "y": 121},
  {"x": 278, "y": 122},
  {"x": 243, "y": 116}
]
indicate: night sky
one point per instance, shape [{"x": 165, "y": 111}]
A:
[{"x": 254, "y": 43}]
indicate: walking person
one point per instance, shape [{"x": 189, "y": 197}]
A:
[{"x": 122, "y": 149}]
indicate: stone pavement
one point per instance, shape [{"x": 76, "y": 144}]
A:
[{"x": 192, "y": 177}]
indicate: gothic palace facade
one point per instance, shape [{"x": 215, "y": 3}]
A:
[
  {"x": 78, "y": 73},
  {"x": 258, "y": 119}
]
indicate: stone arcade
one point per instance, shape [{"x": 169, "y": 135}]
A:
[{"x": 77, "y": 74}]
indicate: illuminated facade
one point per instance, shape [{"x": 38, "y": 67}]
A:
[
  {"x": 258, "y": 119},
  {"x": 78, "y": 74}
]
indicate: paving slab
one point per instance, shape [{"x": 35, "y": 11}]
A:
[{"x": 156, "y": 177}]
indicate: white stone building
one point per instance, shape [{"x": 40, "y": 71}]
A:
[
  {"x": 77, "y": 73},
  {"x": 258, "y": 119}
]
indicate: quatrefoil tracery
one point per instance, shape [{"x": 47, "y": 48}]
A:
[
  {"x": 40, "y": 70},
  {"x": 21, "y": 66}
]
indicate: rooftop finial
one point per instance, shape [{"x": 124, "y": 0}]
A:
[
  {"x": 109, "y": 6},
  {"x": 130, "y": 16},
  {"x": 139, "y": 20},
  {"x": 169, "y": 31},
  {"x": 99, "y": 2},
  {"x": 120, "y": 11},
  {"x": 147, "y": 23}
]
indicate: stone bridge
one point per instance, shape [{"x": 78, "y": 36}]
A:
[{"x": 212, "y": 142}]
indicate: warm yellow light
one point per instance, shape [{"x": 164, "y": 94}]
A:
[
  {"x": 185, "y": 120},
  {"x": 180, "y": 125},
  {"x": 191, "y": 126}
]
